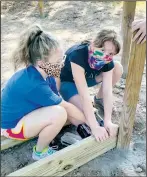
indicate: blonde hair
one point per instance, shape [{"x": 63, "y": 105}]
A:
[
  {"x": 34, "y": 44},
  {"x": 107, "y": 35}
]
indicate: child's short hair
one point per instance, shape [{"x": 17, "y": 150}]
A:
[
  {"x": 34, "y": 44},
  {"x": 107, "y": 35}
]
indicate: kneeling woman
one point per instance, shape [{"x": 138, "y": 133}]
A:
[
  {"x": 31, "y": 104},
  {"x": 88, "y": 64}
]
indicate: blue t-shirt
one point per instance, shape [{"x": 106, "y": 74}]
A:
[
  {"x": 78, "y": 54},
  {"x": 25, "y": 92}
]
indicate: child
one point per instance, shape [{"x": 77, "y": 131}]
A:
[
  {"x": 31, "y": 105},
  {"x": 86, "y": 65}
]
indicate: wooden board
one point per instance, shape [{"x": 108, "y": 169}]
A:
[
  {"x": 41, "y": 7},
  {"x": 132, "y": 89},
  {"x": 7, "y": 143},
  {"x": 3, "y": 138},
  {"x": 127, "y": 19},
  {"x": 67, "y": 159}
]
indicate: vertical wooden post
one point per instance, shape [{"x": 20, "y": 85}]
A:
[
  {"x": 41, "y": 7},
  {"x": 33, "y": 3},
  {"x": 127, "y": 19},
  {"x": 133, "y": 83}
]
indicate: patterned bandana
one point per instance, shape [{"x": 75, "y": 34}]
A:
[
  {"x": 51, "y": 69},
  {"x": 98, "y": 59}
]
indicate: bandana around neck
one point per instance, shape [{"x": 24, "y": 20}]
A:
[{"x": 97, "y": 59}]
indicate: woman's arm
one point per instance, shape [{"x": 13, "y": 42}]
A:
[{"x": 80, "y": 81}]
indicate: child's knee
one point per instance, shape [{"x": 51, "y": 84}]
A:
[{"x": 118, "y": 68}]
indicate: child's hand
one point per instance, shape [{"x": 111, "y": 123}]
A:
[
  {"x": 100, "y": 133},
  {"x": 111, "y": 128}
]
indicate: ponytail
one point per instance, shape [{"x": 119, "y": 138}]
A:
[{"x": 34, "y": 44}]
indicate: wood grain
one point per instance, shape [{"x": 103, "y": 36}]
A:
[
  {"x": 127, "y": 19},
  {"x": 41, "y": 7},
  {"x": 133, "y": 83},
  {"x": 67, "y": 159},
  {"x": 7, "y": 143}
]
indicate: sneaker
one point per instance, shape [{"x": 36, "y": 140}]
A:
[
  {"x": 99, "y": 118},
  {"x": 45, "y": 153},
  {"x": 69, "y": 139},
  {"x": 98, "y": 103}
]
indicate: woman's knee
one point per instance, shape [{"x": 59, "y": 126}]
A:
[
  {"x": 39, "y": 119},
  {"x": 60, "y": 114},
  {"x": 118, "y": 69}
]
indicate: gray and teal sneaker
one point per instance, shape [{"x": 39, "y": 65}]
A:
[
  {"x": 45, "y": 153},
  {"x": 98, "y": 103}
]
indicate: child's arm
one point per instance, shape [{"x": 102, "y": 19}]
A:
[
  {"x": 107, "y": 97},
  {"x": 80, "y": 81}
]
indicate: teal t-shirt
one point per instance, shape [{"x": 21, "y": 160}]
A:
[{"x": 25, "y": 92}]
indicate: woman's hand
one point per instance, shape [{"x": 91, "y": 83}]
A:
[
  {"x": 139, "y": 25},
  {"x": 99, "y": 133}
]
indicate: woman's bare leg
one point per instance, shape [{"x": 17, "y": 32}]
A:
[{"x": 45, "y": 122}]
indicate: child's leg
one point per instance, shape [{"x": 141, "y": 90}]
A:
[
  {"x": 70, "y": 94},
  {"x": 76, "y": 100},
  {"x": 75, "y": 115},
  {"x": 45, "y": 122},
  {"x": 117, "y": 73}
]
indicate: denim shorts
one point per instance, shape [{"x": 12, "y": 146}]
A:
[{"x": 69, "y": 89}]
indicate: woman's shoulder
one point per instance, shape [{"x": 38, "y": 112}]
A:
[
  {"x": 16, "y": 75},
  {"x": 23, "y": 80}
]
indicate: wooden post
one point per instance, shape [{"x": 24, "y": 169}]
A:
[
  {"x": 133, "y": 83},
  {"x": 41, "y": 7},
  {"x": 127, "y": 19}
]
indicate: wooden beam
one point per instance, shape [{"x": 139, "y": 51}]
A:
[
  {"x": 127, "y": 19},
  {"x": 67, "y": 159},
  {"x": 41, "y": 7},
  {"x": 3, "y": 138},
  {"x": 7, "y": 143},
  {"x": 133, "y": 83}
]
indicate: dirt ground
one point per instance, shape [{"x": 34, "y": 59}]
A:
[{"x": 71, "y": 22}]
